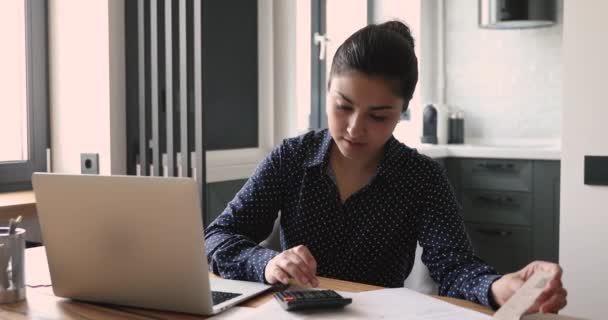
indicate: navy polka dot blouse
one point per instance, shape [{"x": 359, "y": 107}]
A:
[{"x": 370, "y": 238}]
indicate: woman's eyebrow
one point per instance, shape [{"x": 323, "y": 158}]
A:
[
  {"x": 345, "y": 98},
  {"x": 372, "y": 108}
]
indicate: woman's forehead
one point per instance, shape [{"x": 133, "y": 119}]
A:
[{"x": 357, "y": 88}]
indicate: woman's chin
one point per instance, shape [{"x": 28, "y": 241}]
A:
[{"x": 352, "y": 151}]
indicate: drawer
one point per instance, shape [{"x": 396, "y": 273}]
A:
[
  {"x": 497, "y": 174},
  {"x": 504, "y": 207},
  {"x": 506, "y": 248}
]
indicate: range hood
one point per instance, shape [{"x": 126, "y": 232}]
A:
[{"x": 516, "y": 14}]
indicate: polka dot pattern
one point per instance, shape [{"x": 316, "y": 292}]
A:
[{"x": 370, "y": 238}]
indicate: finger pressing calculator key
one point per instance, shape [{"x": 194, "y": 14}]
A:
[{"x": 310, "y": 299}]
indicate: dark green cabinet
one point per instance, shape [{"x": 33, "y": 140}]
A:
[
  {"x": 219, "y": 194},
  {"x": 545, "y": 218},
  {"x": 506, "y": 248},
  {"x": 510, "y": 208},
  {"x": 491, "y": 206}
]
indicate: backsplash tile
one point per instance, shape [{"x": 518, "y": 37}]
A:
[{"x": 508, "y": 82}]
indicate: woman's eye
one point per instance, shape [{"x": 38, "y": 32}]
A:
[{"x": 377, "y": 118}]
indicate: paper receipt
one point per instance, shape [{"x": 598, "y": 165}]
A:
[{"x": 524, "y": 298}]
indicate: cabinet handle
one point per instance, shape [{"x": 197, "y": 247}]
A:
[
  {"x": 494, "y": 232},
  {"x": 490, "y": 166},
  {"x": 488, "y": 199},
  {"x": 505, "y": 201},
  {"x": 509, "y": 167}
]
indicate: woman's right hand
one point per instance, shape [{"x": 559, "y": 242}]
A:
[{"x": 297, "y": 263}]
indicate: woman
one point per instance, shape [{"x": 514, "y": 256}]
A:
[{"x": 354, "y": 201}]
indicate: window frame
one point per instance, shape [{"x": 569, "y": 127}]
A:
[
  {"x": 17, "y": 175},
  {"x": 318, "y": 117}
]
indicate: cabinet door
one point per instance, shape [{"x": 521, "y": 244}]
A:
[
  {"x": 504, "y": 207},
  {"x": 497, "y": 174},
  {"x": 506, "y": 248},
  {"x": 454, "y": 172},
  {"x": 441, "y": 161},
  {"x": 545, "y": 212}
]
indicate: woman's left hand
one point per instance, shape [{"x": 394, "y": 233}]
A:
[{"x": 551, "y": 300}]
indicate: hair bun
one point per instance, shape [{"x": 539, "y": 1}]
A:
[{"x": 401, "y": 28}]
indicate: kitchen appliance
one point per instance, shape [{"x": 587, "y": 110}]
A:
[
  {"x": 429, "y": 125},
  {"x": 516, "y": 14}
]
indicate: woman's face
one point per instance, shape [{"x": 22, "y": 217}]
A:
[{"x": 362, "y": 113}]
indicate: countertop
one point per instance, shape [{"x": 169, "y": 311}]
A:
[{"x": 496, "y": 149}]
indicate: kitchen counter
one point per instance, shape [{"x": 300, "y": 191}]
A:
[{"x": 503, "y": 149}]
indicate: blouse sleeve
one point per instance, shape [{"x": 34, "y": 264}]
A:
[
  {"x": 447, "y": 251},
  {"x": 232, "y": 239}
]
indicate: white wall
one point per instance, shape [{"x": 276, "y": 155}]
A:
[
  {"x": 286, "y": 77},
  {"x": 292, "y": 67},
  {"x": 584, "y": 209},
  {"x": 87, "y": 83},
  {"x": 410, "y": 12},
  {"x": 508, "y": 82},
  {"x": 13, "y": 123}
]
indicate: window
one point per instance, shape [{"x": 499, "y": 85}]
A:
[{"x": 23, "y": 88}]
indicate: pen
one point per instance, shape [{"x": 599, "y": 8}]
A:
[{"x": 12, "y": 225}]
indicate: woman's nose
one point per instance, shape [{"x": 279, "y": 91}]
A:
[{"x": 356, "y": 125}]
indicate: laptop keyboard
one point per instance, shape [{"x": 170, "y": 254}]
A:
[{"x": 219, "y": 297}]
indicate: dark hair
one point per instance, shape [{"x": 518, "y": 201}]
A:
[{"x": 380, "y": 50}]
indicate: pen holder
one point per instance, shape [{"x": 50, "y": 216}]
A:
[{"x": 12, "y": 277}]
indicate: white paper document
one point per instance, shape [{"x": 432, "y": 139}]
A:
[
  {"x": 36, "y": 268},
  {"x": 398, "y": 303}
]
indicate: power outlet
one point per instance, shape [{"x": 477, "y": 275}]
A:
[{"x": 89, "y": 163}]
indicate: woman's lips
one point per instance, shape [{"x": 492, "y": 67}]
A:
[{"x": 354, "y": 143}]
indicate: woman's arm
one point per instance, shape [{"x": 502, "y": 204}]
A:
[
  {"x": 232, "y": 239},
  {"x": 449, "y": 256},
  {"x": 447, "y": 251}
]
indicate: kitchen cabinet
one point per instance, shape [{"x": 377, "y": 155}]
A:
[
  {"x": 219, "y": 194},
  {"x": 510, "y": 208}
]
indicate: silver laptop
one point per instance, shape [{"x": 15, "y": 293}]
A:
[{"x": 135, "y": 241}]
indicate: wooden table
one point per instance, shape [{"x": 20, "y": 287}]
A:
[
  {"x": 41, "y": 303},
  {"x": 13, "y": 204}
]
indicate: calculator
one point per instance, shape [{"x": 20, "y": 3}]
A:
[{"x": 311, "y": 299}]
